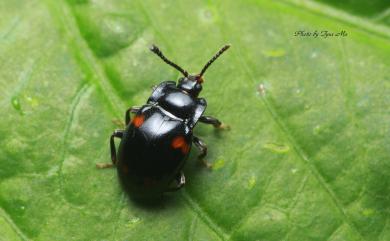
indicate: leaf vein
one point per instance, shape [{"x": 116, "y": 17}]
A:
[
  {"x": 206, "y": 219},
  {"x": 75, "y": 102},
  {"x": 82, "y": 52},
  {"x": 12, "y": 27},
  {"x": 334, "y": 232},
  {"x": 8, "y": 219},
  {"x": 192, "y": 229},
  {"x": 275, "y": 116},
  {"x": 382, "y": 233},
  {"x": 117, "y": 215},
  {"x": 252, "y": 210}
]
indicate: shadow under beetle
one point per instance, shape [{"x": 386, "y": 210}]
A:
[{"x": 157, "y": 141}]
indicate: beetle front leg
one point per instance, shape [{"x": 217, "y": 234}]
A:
[
  {"x": 118, "y": 134},
  {"x": 133, "y": 109},
  {"x": 203, "y": 151},
  {"x": 213, "y": 121}
]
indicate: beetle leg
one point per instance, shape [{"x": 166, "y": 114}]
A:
[
  {"x": 213, "y": 121},
  {"x": 133, "y": 109},
  {"x": 203, "y": 151},
  {"x": 201, "y": 145},
  {"x": 119, "y": 134},
  {"x": 116, "y": 133},
  {"x": 180, "y": 180}
]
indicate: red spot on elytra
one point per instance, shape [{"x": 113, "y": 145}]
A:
[
  {"x": 180, "y": 143},
  {"x": 138, "y": 120},
  {"x": 185, "y": 149}
]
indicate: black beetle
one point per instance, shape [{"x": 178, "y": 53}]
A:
[{"x": 157, "y": 141}]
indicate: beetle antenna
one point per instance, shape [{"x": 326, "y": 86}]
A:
[
  {"x": 158, "y": 52},
  {"x": 215, "y": 57}
]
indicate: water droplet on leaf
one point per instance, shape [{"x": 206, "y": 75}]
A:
[{"x": 15, "y": 101}]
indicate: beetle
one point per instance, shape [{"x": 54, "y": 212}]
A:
[{"x": 157, "y": 140}]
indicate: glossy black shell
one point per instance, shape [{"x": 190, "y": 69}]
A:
[{"x": 147, "y": 161}]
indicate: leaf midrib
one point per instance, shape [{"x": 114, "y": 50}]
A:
[
  {"x": 83, "y": 54},
  {"x": 13, "y": 225}
]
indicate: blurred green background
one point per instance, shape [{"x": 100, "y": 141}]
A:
[{"x": 307, "y": 156}]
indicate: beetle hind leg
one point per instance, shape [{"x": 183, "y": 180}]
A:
[
  {"x": 180, "y": 181},
  {"x": 203, "y": 151},
  {"x": 118, "y": 134}
]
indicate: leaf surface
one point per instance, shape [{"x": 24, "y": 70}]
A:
[{"x": 307, "y": 156}]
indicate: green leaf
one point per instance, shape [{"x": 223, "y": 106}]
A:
[{"x": 307, "y": 156}]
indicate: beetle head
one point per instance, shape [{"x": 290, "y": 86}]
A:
[{"x": 190, "y": 83}]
